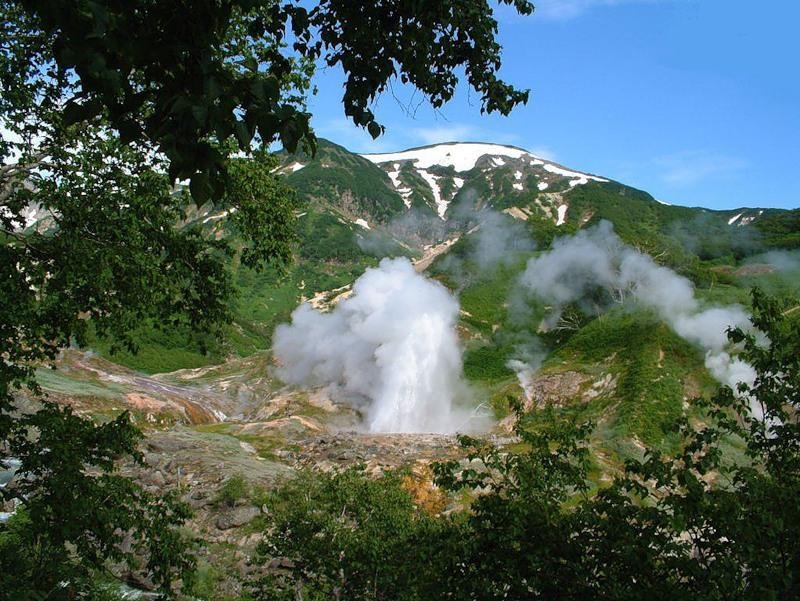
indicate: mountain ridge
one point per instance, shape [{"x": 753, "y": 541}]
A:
[
  {"x": 352, "y": 216},
  {"x": 432, "y": 186}
]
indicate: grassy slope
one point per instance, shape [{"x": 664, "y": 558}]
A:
[
  {"x": 328, "y": 257},
  {"x": 654, "y": 369},
  {"x": 345, "y": 181}
]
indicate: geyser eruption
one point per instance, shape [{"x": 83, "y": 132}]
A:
[
  {"x": 391, "y": 349},
  {"x": 597, "y": 258}
]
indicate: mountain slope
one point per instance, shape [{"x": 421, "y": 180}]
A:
[
  {"x": 478, "y": 213},
  {"x": 455, "y": 169},
  {"x": 436, "y": 199},
  {"x": 342, "y": 182}
]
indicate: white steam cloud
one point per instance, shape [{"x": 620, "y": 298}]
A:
[
  {"x": 596, "y": 258},
  {"x": 391, "y": 349},
  {"x": 493, "y": 239},
  {"x": 785, "y": 261}
]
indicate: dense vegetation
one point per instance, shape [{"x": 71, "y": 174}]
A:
[
  {"x": 688, "y": 525},
  {"x": 345, "y": 182},
  {"x": 103, "y": 106}
]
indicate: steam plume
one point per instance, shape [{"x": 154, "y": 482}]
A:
[
  {"x": 596, "y": 258},
  {"x": 391, "y": 349},
  {"x": 493, "y": 239}
]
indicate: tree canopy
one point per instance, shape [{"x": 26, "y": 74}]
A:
[
  {"x": 104, "y": 106},
  {"x": 187, "y": 77}
]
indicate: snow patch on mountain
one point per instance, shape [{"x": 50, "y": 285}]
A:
[
  {"x": 395, "y": 177},
  {"x": 462, "y": 156},
  {"x": 405, "y": 194},
  {"x": 441, "y": 203},
  {"x": 562, "y": 214},
  {"x": 403, "y": 191},
  {"x": 743, "y": 218}
]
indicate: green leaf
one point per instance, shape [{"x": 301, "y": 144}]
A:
[
  {"x": 374, "y": 129},
  {"x": 77, "y": 112},
  {"x": 200, "y": 188},
  {"x": 243, "y": 134}
]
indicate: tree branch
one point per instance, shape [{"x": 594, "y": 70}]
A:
[{"x": 10, "y": 174}]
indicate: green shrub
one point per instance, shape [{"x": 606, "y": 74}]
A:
[{"x": 232, "y": 490}]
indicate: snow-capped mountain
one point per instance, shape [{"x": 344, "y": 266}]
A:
[
  {"x": 465, "y": 158},
  {"x": 442, "y": 181}
]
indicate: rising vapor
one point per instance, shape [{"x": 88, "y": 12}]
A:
[
  {"x": 390, "y": 349},
  {"x": 596, "y": 258}
]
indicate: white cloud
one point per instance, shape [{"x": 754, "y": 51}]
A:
[
  {"x": 571, "y": 9},
  {"x": 455, "y": 132},
  {"x": 695, "y": 166},
  {"x": 342, "y": 131}
]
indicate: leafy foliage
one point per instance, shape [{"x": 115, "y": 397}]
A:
[
  {"x": 519, "y": 529},
  {"x": 74, "y": 520},
  {"x": 103, "y": 105},
  {"x": 234, "y": 489},
  {"x": 690, "y": 525},
  {"x": 189, "y": 79},
  {"x": 346, "y": 536},
  {"x": 694, "y": 525},
  {"x": 262, "y": 212}
]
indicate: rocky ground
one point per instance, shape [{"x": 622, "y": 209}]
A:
[{"x": 205, "y": 426}]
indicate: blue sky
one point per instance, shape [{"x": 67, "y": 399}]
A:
[{"x": 694, "y": 101}]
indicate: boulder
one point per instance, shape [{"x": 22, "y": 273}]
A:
[{"x": 237, "y": 516}]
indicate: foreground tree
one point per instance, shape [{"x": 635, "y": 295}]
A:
[
  {"x": 350, "y": 536},
  {"x": 187, "y": 77},
  {"x": 103, "y": 105},
  {"x": 74, "y": 522}
]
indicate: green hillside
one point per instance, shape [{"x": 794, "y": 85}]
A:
[
  {"x": 344, "y": 182},
  {"x": 623, "y": 367},
  {"x": 226, "y": 433}
]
